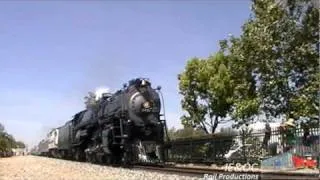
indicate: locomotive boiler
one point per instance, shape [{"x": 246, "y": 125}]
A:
[{"x": 124, "y": 127}]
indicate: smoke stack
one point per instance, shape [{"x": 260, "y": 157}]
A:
[{"x": 100, "y": 91}]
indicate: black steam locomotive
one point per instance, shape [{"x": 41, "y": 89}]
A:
[{"x": 120, "y": 128}]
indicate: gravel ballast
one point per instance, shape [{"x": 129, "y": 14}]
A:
[{"x": 42, "y": 168}]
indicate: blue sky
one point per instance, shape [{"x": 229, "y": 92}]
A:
[{"x": 53, "y": 53}]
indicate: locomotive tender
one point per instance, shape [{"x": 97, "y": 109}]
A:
[{"x": 120, "y": 128}]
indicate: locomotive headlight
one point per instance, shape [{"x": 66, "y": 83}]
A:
[{"x": 146, "y": 105}]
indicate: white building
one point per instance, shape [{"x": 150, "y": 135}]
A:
[{"x": 19, "y": 151}]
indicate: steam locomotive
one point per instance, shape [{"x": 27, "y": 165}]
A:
[{"x": 121, "y": 128}]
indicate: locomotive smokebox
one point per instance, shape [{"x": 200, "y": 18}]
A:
[{"x": 144, "y": 104}]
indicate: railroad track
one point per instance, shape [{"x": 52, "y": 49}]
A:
[{"x": 213, "y": 174}]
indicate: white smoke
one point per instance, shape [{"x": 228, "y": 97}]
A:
[{"x": 101, "y": 90}]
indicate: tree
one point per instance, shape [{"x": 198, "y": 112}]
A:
[
  {"x": 245, "y": 97},
  {"x": 207, "y": 90},
  {"x": 186, "y": 132},
  {"x": 304, "y": 47},
  {"x": 7, "y": 141},
  {"x": 271, "y": 69},
  {"x": 20, "y": 144},
  {"x": 1, "y": 128},
  {"x": 275, "y": 60},
  {"x": 190, "y": 92}
]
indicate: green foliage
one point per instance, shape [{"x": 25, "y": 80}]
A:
[
  {"x": 207, "y": 89},
  {"x": 271, "y": 69},
  {"x": 279, "y": 48},
  {"x": 186, "y": 132},
  {"x": 204, "y": 149},
  {"x": 1, "y": 128},
  {"x": 7, "y": 141},
  {"x": 250, "y": 150},
  {"x": 20, "y": 144}
]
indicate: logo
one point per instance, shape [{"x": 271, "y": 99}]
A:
[{"x": 238, "y": 167}]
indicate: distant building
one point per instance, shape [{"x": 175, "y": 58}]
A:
[{"x": 19, "y": 151}]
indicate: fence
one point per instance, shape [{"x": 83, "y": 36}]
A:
[
  {"x": 242, "y": 147},
  {"x": 6, "y": 154}
]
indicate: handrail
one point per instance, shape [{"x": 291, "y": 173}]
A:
[{"x": 164, "y": 115}]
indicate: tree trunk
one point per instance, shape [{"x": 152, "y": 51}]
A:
[
  {"x": 215, "y": 124},
  {"x": 204, "y": 128}
]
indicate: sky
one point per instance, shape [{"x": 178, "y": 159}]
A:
[{"x": 53, "y": 52}]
